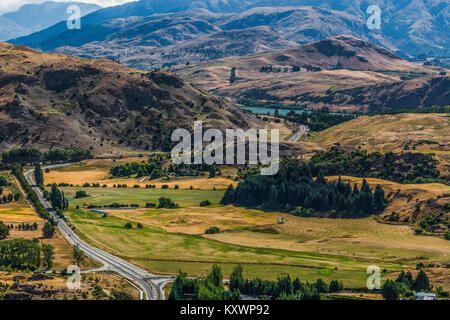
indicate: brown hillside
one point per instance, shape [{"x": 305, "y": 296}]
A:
[
  {"x": 51, "y": 100},
  {"x": 326, "y": 66}
]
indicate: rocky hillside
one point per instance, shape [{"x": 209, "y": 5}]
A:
[
  {"x": 306, "y": 74},
  {"x": 402, "y": 95},
  {"x": 214, "y": 46},
  {"x": 55, "y": 100}
]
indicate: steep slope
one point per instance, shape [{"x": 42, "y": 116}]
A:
[
  {"x": 130, "y": 36},
  {"x": 298, "y": 74},
  {"x": 410, "y": 94},
  {"x": 51, "y": 100},
  {"x": 214, "y": 46},
  {"x": 402, "y": 133},
  {"x": 304, "y": 24},
  {"x": 31, "y": 18}
]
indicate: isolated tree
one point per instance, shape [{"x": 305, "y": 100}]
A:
[
  {"x": 56, "y": 198},
  {"x": 38, "y": 175},
  {"x": 78, "y": 255},
  {"x": 48, "y": 231},
  {"x": 233, "y": 75}
]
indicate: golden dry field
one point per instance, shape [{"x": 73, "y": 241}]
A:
[
  {"x": 79, "y": 178},
  {"x": 167, "y": 233},
  {"x": 385, "y": 133},
  {"x": 195, "y": 220}
]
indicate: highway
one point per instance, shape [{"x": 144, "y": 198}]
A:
[
  {"x": 298, "y": 135},
  {"x": 149, "y": 285}
]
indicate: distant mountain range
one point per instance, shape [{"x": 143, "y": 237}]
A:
[
  {"x": 409, "y": 27},
  {"x": 31, "y": 18}
]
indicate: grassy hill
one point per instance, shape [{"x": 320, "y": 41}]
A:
[
  {"x": 51, "y": 100},
  {"x": 424, "y": 133},
  {"x": 304, "y": 73}
]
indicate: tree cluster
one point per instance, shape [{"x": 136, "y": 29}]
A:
[
  {"x": 151, "y": 169},
  {"x": 318, "y": 120},
  {"x": 209, "y": 288},
  {"x": 21, "y": 254},
  {"x": 405, "y": 285},
  {"x": 167, "y": 203},
  {"x": 284, "y": 288},
  {"x": 24, "y": 156},
  {"x": 58, "y": 199},
  {"x": 294, "y": 187},
  {"x": 32, "y": 196},
  {"x": 402, "y": 168}
]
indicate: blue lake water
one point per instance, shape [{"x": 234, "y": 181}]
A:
[
  {"x": 283, "y": 112},
  {"x": 271, "y": 111}
]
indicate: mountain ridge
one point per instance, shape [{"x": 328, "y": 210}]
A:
[
  {"x": 400, "y": 32},
  {"x": 305, "y": 74},
  {"x": 31, "y": 18},
  {"x": 49, "y": 100}
]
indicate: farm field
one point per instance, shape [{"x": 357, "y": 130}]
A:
[
  {"x": 195, "y": 220},
  {"x": 18, "y": 212},
  {"x": 311, "y": 248},
  {"x": 106, "y": 196},
  {"x": 360, "y": 238},
  {"x": 92, "y": 172},
  {"x": 164, "y": 252}
]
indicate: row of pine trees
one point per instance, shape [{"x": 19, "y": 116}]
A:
[{"x": 293, "y": 186}]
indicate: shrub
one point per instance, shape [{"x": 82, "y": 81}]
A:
[
  {"x": 167, "y": 203},
  {"x": 128, "y": 226},
  {"x": 212, "y": 230},
  {"x": 81, "y": 194},
  {"x": 205, "y": 203}
]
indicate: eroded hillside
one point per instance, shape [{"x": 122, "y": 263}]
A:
[{"x": 51, "y": 100}]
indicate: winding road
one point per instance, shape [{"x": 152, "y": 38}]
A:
[
  {"x": 298, "y": 135},
  {"x": 149, "y": 285}
]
